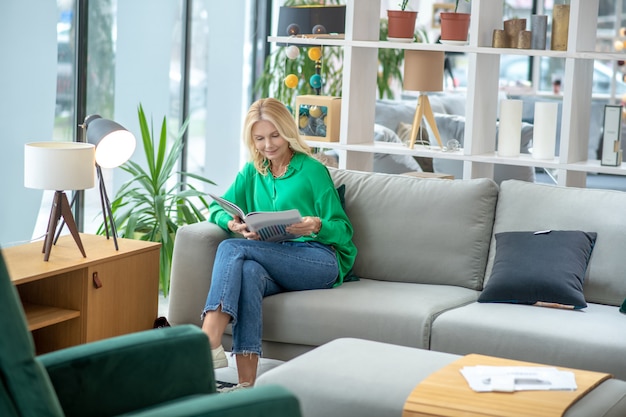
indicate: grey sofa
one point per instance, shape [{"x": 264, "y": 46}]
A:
[{"x": 426, "y": 251}]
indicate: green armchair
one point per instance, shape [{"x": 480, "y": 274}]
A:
[{"x": 160, "y": 372}]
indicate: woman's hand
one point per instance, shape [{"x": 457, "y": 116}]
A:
[
  {"x": 309, "y": 225},
  {"x": 237, "y": 226}
]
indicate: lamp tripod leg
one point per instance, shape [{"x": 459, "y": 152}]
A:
[
  {"x": 55, "y": 214},
  {"x": 56, "y": 237},
  {"x": 66, "y": 213},
  {"x": 430, "y": 118},
  {"x": 102, "y": 206},
  {"x": 417, "y": 120},
  {"x": 61, "y": 210},
  {"x": 106, "y": 210}
]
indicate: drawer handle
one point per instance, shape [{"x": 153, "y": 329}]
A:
[{"x": 96, "y": 281}]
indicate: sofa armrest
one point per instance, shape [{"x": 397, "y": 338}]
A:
[
  {"x": 192, "y": 264},
  {"x": 131, "y": 372},
  {"x": 266, "y": 401}
]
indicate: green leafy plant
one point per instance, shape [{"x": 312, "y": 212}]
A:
[
  {"x": 152, "y": 205},
  {"x": 403, "y": 4}
]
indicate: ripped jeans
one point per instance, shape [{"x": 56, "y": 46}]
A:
[{"x": 246, "y": 271}]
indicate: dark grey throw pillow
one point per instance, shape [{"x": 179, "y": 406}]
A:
[{"x": 546, "y": 268}]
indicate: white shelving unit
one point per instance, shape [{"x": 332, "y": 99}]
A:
[{"x": 361, "y": 44}]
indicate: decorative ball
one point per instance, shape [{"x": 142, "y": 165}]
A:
[
  {"x": 315, "y": 111},
  {"x": 303, "y": 121},
  {"x": 291, "y": 81},
  {"x": 289, "y": 108},
  {"x": 618, "y": 45},
  {"x": 293, "y": 29},
  {"x": 315, "y": 81},
  {"x": 622, "y": 32},
  {"x": 319, "y": 29},
  {"x": 315, "y": 53},
  {"x": 292, "y": 52}
]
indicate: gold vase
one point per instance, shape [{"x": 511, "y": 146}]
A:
[
  {"x": 512, "y": 28},
  {"x": 560, "y": 27},
  {"x": 499, "y": 38},
  {"x": 524, "y": 39}
]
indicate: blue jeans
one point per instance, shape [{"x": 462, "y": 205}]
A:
[{"x": 246, "y": 271}]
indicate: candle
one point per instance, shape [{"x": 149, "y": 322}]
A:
[
  {"x": 544, "y": 130},
  {"x": 560, "y": 27},
  {"x": 510, "y": 128},
  {"x": 538, "y": 27}
]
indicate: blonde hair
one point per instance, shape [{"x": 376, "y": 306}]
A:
[{"x": 275, "y": 112}]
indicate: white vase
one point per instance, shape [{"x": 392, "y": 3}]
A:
[{"x": 510, "y": 128}]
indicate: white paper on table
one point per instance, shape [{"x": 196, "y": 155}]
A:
[{"x": 518, "y": 378}]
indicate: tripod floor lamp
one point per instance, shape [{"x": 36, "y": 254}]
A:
[
  {"x": 59, "y": 166},
  {"x": 114, "y": 146},
  {"x": 423, "y": 72}
]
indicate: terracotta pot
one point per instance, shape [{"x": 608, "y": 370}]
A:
[
  {"x": 401, "y": 24},
  {"x": 454, "y": 26}
]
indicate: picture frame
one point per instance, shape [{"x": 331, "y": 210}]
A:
[
  {"x": 611, "y": 136},
  {"x": 437, "y": 9},
  {"x": 318, "y": 117}
]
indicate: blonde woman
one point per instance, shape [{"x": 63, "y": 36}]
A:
[{"x": 281, "y": 175}]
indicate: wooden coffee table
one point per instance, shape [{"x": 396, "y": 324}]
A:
[{"x": 445, "y": 393}]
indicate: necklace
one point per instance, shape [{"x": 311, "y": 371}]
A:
[{"x": 284, "y": 170}]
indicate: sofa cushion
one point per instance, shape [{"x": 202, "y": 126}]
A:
[
  {"x": 390, "y": 163},
  {"x": 440, "y": 229},
  {"x": 390, "y": 113},
  {"x": 404, "y": 133},
  {"x": 591, "y": 339},
  {"x": 546, "y": 267},
  {"x": 525, "y": 206},
  {"x": 318, "y": 316}
]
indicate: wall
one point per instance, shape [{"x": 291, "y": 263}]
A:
[{"x": 27, "y": 100}]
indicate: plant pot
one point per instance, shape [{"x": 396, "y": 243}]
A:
[
  {"x": 401, "y": 24},
  {"x": 454, "y": 26}
]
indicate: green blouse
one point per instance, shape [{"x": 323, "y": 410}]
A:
[{"x": 306, "y": 186}]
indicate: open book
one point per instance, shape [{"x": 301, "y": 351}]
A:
[{"x": 270, "y": 225}]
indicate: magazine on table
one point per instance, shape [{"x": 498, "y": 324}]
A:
[{"x": 269, "y": 225}]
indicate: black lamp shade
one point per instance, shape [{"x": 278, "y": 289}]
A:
[{"x": 333, "y": 18}]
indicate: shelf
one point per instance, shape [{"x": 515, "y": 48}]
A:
[
  {"x": 591, "y": 166},
  {"x": 309, "y": 41},
  {"x": 391, "y": 148},
  {"x": 39, "y": 316},
  {"x": 482, "y": 95},
  {"x": 306, "y": 41}
]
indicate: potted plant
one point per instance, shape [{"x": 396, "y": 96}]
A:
[
  {"x": 401, "y": 23},
  {"x": 455, "y": 26},
  {"x": 150, "y": 206}
]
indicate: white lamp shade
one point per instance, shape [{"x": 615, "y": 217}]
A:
[
  {"x": 423, "y": 70},
  {"x": 114, "y": 144},
  {"x": 115, "y": 149},
  {"x": 59, "y": 165}
]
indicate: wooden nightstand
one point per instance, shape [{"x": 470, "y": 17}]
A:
[{"x": 71, "y": 300}]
